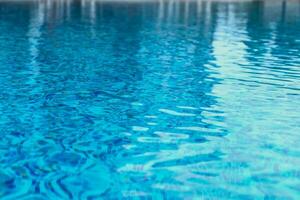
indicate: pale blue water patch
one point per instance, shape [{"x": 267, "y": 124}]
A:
[{"x": 150, "y": 100}]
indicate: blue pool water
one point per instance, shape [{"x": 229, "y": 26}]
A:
[{"x": 154, "y": 100}]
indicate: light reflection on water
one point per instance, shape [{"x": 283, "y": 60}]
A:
[{"x": 160, "y": 99}]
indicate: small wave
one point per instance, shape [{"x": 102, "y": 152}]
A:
[{"x": 175, "y": 113}]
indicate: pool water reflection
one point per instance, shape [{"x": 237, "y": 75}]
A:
[{"x": 150, "y": 100}]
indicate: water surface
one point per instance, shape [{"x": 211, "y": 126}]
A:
[{"x": 154, "y": 100}]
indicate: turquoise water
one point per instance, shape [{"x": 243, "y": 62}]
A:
[{"x": 173, "y": 100}]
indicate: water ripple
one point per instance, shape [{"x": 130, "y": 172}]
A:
[{"x": 157, "y": 100}]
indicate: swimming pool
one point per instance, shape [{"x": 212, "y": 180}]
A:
[{"x": 153, "y": 100}]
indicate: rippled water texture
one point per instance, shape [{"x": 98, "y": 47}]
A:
[{"x": 154, "y": 100}]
